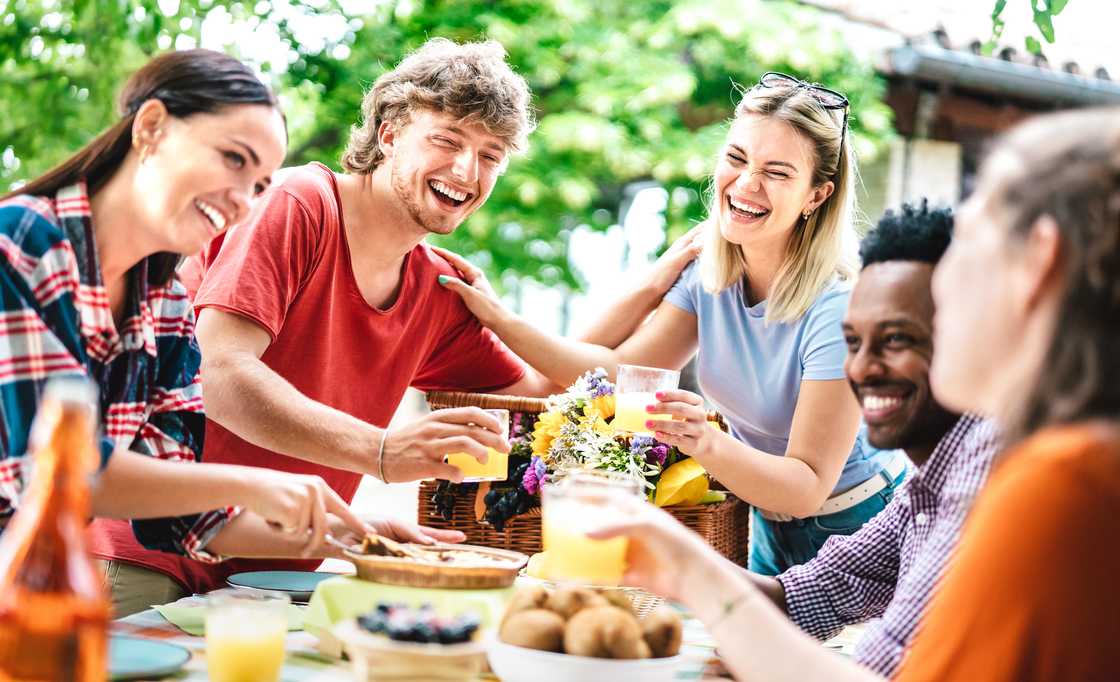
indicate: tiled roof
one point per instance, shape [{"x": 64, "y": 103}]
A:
[{"x": 1085, "y": 31}]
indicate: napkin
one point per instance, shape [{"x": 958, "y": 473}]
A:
[{"x": 192, "y": 619}]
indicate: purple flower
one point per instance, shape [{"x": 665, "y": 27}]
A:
[
  {"x": 650, "y": 449},
  {"x": 535, "y": 476},
  {"x": 597, "y": 384}
]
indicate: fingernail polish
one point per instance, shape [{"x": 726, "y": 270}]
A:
[
  {"x": 444, "y": 279},
  {"x": 649, "y": 424},
  {"x": 660, "y": 395}
]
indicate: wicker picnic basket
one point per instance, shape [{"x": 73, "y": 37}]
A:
[{"x": 723, "y": 525}]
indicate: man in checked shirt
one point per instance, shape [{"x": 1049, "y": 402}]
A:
[{"x": 889, "y": 568}]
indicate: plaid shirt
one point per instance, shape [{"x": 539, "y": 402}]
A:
[
  {"x": 891, "y": 566},
  {"x": 55, "y": 321}
]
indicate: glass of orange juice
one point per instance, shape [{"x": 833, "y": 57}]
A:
[
  {"x": 496, "y": 467},
  {"x": 574, "y": 505},
  {"x": 245, "y": 632},
  {"x": 636, "y": 388}
]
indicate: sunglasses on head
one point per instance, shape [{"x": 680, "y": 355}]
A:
[{"x": 828, "y": 99}]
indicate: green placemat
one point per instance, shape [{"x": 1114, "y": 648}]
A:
[
  {"x": 346, "y": 597},
  {"x": 192, "y": 619}
]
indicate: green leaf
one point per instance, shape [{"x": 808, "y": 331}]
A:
[
  {"x": 998, "y": 9},
  {"x": 1056, "y": 6},
  {"x": 1043, "y": 21},
  {"x": 1033, "y": 46}
]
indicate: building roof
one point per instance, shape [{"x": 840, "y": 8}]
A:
[{"x": 1085, "y": 30}]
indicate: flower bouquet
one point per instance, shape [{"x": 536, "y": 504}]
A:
[
  {"x": 576, "y": 433},
  {"x": 574, "y": 429}
]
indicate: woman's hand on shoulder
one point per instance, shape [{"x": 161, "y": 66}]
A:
[
  {"x": 668, "y": 268},
  {"x": 473, "y": 287}
]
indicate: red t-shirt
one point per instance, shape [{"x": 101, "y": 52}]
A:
[{"x": 288, "y": 269}]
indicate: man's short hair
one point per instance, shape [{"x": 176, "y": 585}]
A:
[
  {"x": 914, "y": 233},
  {"x": 470, "y": 81}
]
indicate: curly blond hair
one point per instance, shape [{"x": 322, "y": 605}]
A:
[{"x": 471, "y": 81}]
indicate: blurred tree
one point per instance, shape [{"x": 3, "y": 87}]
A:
[{"x": 625, "y": 91}]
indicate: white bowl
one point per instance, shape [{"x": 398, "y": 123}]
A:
[{"x": 518, "y": 664}]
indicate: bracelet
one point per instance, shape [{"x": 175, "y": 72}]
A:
[{"x": 381, "y": 455}]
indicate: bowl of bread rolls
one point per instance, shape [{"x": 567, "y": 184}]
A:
[{"x": 580, "y": 635}]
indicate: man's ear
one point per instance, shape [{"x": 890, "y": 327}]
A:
[{"x": 386, "y": 138}]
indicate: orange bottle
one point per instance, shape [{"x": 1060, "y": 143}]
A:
[{"x": 54, "y": 613}]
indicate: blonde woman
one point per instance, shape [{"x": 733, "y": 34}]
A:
[{"x": 763, "y": 307}]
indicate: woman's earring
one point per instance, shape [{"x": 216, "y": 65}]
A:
[{"x": 806, "y": 214}]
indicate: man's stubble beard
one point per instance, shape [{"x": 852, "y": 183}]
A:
[{"x": 411, "y": 206}]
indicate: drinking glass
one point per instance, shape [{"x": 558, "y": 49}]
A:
[
  {"x": 245, "y": 635},
  {"x": 496, "y": 467},
  {"x": 635, "y": 389},
  {"x": 574, "y": 505}
]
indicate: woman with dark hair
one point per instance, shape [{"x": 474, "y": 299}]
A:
[
  {"x": 87, "y": 287},
  {"x": 1027, "y": 327}
]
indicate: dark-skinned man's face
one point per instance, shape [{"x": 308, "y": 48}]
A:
[{"x": 889, "y": 332}]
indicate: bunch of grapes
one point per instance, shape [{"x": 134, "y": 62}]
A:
[
  {"x": 502, "y": 504},
  {"x": 445, "y": 495},
  {"x": 403, "y": 624}
]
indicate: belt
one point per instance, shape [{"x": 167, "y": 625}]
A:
[{"x": 851, "y": 497}]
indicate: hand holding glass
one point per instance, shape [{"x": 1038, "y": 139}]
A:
[
  {"x": 635, "y": 389},
  {"x": 496, "y": 467},
  {"x": 576, "y": 504}
]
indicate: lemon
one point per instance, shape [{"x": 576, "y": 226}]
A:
[
  {"x": 538, "y": 566},
  {"x": 685, "y": 482}
]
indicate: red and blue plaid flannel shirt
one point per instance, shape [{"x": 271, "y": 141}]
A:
[{"x": 55, "y": 320}]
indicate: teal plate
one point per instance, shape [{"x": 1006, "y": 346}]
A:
[
  {"x": 132, "y": 658},
  {"x": 297, "y": 584}
]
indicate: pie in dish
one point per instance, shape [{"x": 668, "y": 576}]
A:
[{"x": 382, "y": 560}]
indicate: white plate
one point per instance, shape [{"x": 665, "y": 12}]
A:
[{"x": 518, "y": 664}]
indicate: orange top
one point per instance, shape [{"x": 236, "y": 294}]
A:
[{"x": 1032, "y": 593}]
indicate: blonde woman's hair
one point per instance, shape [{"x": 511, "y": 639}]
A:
[
  {"x": 822, "y": 249},
  {"x": 470, "y": 81}
]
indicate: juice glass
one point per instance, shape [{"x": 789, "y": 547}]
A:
[
  {"x": 575, "y": 505},
  {"x": 497, "y": 463},
  {"x": 245, "y": 635},
  {"x": 634, "y": 390}
]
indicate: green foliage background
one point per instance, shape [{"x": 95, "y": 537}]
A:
[{"x": 625, "y": 91}]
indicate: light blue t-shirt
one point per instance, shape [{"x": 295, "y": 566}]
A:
[{"x": 752, "y": 372}]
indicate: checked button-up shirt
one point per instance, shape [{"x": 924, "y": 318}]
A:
[
  {"x": 890, "y": 568},
  {"x": 55, "y": 320}
]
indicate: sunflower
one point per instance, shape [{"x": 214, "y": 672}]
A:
[
  {"x": 603, "y": 407},
  {"x": 545, "y": 431}
]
